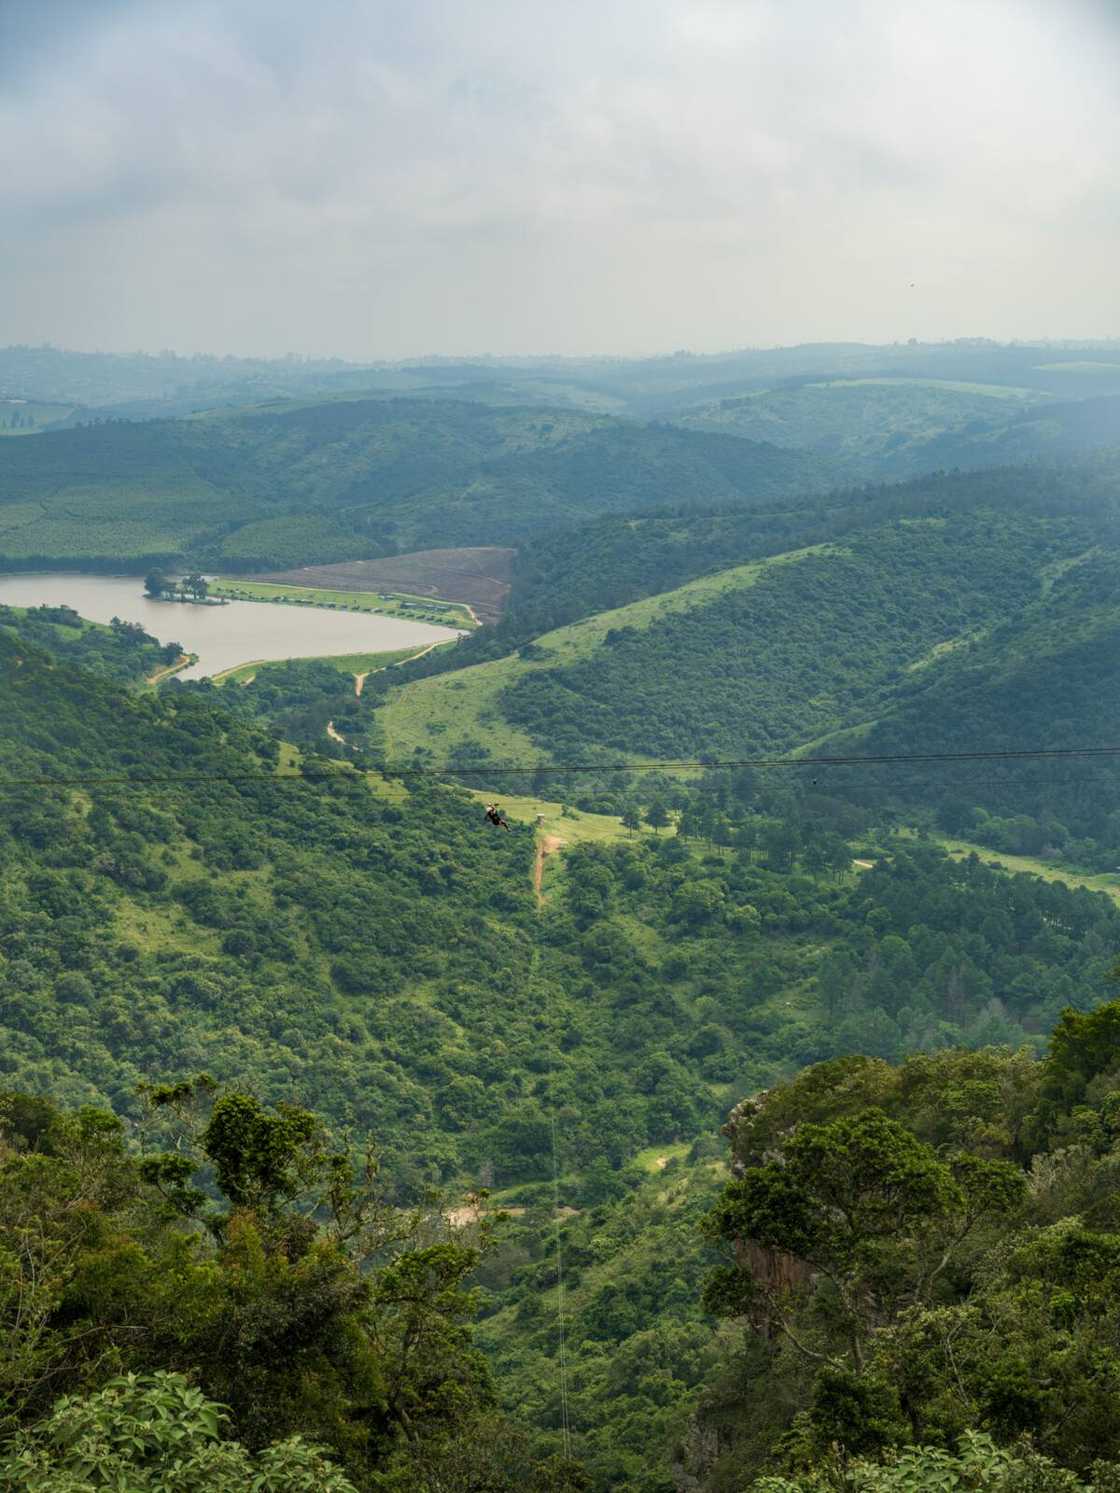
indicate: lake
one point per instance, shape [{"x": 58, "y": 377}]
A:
[{"x": 241, "y": 632}]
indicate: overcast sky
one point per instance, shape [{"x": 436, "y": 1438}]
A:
[{"x": 387, "y": 178}]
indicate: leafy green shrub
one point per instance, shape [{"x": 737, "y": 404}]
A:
[{"x": 154, "y": 1433}]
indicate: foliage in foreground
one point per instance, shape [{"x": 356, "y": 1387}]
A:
[
  {"x": 287, "y": 1286},
  {"x": 979, "y": 1465},
  {"x": 920, "y": 1252},
  {"x": 155, "y": 1434}
]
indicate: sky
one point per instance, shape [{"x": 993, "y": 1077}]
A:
[{"x": 393, "y": 178}]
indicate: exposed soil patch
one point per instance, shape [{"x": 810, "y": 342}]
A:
[
  {"x": 546, "y": 845},
  {"x": 461, "y": 1218},
  {"x": 478, "y": 577}
]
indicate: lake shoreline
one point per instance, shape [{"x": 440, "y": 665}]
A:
[{"x": 223, "y": 635}]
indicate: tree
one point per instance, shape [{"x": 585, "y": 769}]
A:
[
  {"x": 156, "y": 584},
  {"x": 197, "y": 585},
  {"x": 153, "y": 1433},
  {"x": 871, "y": 1210},
  {"x": 657, "y": 815},
  {"x": 631, "y": 818}
]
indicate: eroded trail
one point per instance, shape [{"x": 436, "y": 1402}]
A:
[{"x": 546, "y": 845}]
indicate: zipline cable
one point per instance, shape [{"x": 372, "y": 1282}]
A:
[{"x": 571, "y": 769}]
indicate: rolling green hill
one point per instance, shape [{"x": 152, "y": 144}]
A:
[
  {"x": 299, "y": 484},
  {"x": 754, "y": 660},
  {"x": 893, "y": 428},
  {"x": 1048, "y": 678},
  {"x": 463, "y": 717}
]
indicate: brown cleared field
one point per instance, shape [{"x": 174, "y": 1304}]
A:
[{"x": 478, "y": 577}]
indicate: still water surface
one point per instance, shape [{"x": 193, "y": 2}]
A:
[{"x": 240, "y": 633}]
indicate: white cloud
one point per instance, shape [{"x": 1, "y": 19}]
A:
[{"x": 385, "y": 178}]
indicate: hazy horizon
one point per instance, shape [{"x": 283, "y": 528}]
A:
[
  {"x": 624, "y": 178},
  {"x": 434, "y": 355}
]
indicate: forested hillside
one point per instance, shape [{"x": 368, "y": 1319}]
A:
[
  {"x": 349, "y": 478},
  {"x": 367, "y": 944},
  {"x": 565, "y": 575},
  {"x": 369, "y": 948},
  {"x": 812, "y": 644},
  {"x": 889, "y": 429},
  {"x": 1048, "y": 679},
  {"x": 122, "y": 651}
]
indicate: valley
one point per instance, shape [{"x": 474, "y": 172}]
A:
[{"x": 543, "y": 1032}]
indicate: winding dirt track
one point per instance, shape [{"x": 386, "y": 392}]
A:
[{"x": 360, "y": 679}]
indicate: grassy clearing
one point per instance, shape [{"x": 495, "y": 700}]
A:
[
  {"x": 1104, "y": 881},
  {"x": 939, "y": 650},
  {"x": 655, "y": 1158},
  {"x": 440, "y": 712},
  {"x": 387, "y": 604},
  {"x": 163, "y": 928},
  {"x": 574, "y": 828}
]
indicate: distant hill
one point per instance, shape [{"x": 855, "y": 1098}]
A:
[
  {"x": 350, "y": 479},
  {"x": 894, "y": 428},
  {"x": 148, "y": 386}
]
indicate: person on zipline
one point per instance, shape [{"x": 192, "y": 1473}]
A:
[{"x": 494, "y": 814}]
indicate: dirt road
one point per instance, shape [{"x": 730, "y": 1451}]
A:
[{"x": 360, "y": 679}]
